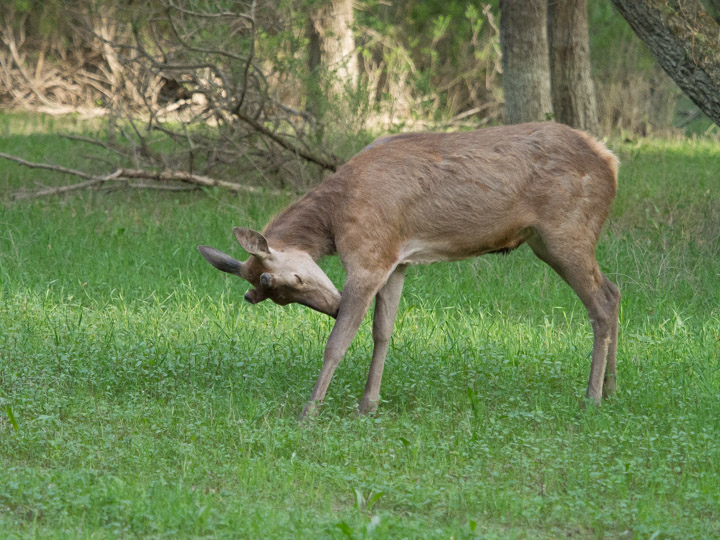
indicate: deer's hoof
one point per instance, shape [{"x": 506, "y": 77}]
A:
[
  {"x": 367, "y": 407},
  {"x": 609, "y": 387},
  {"x": 310, "y": 410}
]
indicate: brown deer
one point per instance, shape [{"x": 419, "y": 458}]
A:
[{"x": 424, "y": 197}]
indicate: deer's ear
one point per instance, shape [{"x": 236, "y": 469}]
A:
[{"x": 252, "y": 241}]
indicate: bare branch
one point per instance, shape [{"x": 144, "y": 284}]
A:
[
  {"x": 189, "y": 47},
  {"x": 95, "y": 142},
  {"x": 218, "y": 15},
  {"x": 122, "y": 174},
  {"x": 330, "y": 165},
  {"x": 185, "y": 86},
  {"x": 251, "y": 56},
  {"x": 49, "y": 167},
  {"x": 182, "y": 176}
]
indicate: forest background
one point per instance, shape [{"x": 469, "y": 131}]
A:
[{"x": 282, "y": 91}]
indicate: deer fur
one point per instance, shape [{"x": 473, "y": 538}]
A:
[{"x": 424, "y": 197}]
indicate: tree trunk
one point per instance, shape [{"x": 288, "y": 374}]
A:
[
  {"x": 526, "y": 69},
  {"x": 685, "y": 40},
  {"x": 573, "y": 92},
  {"x": 713, "y": 7},
  {"x": 332, "y": 44}
]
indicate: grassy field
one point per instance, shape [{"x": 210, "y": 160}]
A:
[{"x": 140, "y": 396}]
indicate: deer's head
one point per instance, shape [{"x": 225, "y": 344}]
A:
[{"x": 283, "y": 275}]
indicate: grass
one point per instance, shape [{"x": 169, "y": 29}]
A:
[{"x": 141, "y": 397}]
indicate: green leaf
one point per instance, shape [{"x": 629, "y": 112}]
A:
[
  {"x": 359, "y": 499},
  {"x": 375, "y": 497},
  {"x": 11, "y": 416},
  {"x": 345, "y": 528}
]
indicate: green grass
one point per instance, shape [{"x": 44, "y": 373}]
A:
[{"x": 141, "y": 397}]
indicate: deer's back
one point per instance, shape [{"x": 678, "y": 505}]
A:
[{"x": 453, "y": 195}]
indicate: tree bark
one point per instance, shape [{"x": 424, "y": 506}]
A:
[
  {"x": 573, "y": 92},
  {"x": 685, "y": 40},
  {"x": 526, "y": 68},
  {"x": 332, "y": 44}
]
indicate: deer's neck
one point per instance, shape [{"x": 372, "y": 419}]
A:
[{"x": 307, "y": 223}]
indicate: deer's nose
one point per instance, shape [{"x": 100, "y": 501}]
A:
[{"x": 251, "y": 296}]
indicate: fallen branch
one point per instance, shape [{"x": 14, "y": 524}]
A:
[
  {"x": 122, "y": 174},
  {"x": 182, "y": 176},
  {"x": 49, "y": 167},
  {"x": 93, "y": 182}
]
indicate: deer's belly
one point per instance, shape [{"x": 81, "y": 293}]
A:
[{"x": 419, "y": 251}]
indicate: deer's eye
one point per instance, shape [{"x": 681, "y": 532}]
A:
[
  {"x": 266, "y": 280},
  {"x": 298, "y": 279}
]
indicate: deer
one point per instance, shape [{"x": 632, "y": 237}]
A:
[{"x": 418, "y": 198}]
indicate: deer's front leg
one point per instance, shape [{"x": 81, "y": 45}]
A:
[
  {"x": 355, "y": 302},
  {"x": 387, "y": 302}
]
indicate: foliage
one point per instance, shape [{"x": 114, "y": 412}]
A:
[
  {"x": 451, "y": 50},
  {"x": 421, "y": 60},
  {"x": 141, "y": 397}
]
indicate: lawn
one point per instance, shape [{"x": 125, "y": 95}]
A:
[{"x": 140, "y": 396}]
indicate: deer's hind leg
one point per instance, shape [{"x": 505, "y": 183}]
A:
[
  {"x": 612, "y": 294},
  {"x": 575, "y": 262}
]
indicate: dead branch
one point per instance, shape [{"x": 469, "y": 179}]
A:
[
  {"x": 51, "y": 85},
  {"x": 330, "y": 165},
  {"x": 221, "y": 14},
  {"x": 124, "y": 175},
  {"x": 49, "y": 167},
  {"x": 88, "y": 140},
  {"x": 182, "y": 176},
  {"x": 186, "y": 86}
]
